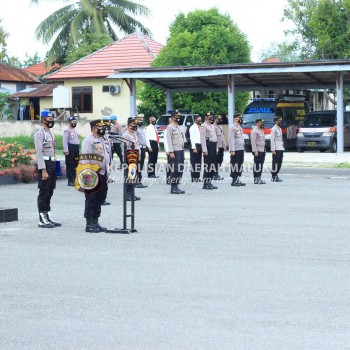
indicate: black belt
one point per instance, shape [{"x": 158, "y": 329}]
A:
[{"x": 52, "y": 159}]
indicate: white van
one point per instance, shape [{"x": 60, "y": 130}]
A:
[{"x": 318, "y": 131}]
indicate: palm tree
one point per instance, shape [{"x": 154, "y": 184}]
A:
[{"x": 72, "y": 24}]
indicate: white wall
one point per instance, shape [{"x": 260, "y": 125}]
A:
[{"x": 9, "y": 128}]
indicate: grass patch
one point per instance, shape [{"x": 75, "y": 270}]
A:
[
  {"x": 343, "y": 165},
  {"x": 28, "y": 142}
]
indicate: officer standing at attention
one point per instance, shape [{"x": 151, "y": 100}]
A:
[
  {"x": 277, "y": 149},
  {"x": 166, "y": 150},
  {"x": 175, "y": 143},
  {"x": 236, "y": 148},
  {"x": 45, "y": 148},
  {"x": 71, "y": 149},
  {"x": 197, "y": 137},
  {"x": 221, "y": 146},
  {"x": 141, "y": 137},
  {"x": 132, "y": 142},
  {"x": 152, "y": 140},
  {"x": 209, "y": 147},
  {"x": 258, "y": 148},
  {"x": 116, "y": 128},
  {"x": 97, "y": 144}
]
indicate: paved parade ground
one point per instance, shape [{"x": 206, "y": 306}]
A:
[{"x": 255, "y": 267}]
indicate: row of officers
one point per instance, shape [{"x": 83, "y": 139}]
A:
[{"x": 207, "y": 144}]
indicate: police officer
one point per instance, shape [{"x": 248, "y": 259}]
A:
[
  {"x": 97, "y": 144},
  {"x": 71, "y": 149},
  {"x": 132, "y": 142},
  {"x": 277, "y": 149},
  {"x": 258, "y": 148},
  {"x": 209, "y": 147},
  {"x": 116, "y": 128},
  {"x": 141, "y": 137},
  {"x": 221, "y": 146},
  {"x": 175, "y": 144},
  {"x": 152, "y": 140},
  {"x": 45, "y": 148},
  {"x": 196, "y": 139},
  {"x": 236, "y": 148}
]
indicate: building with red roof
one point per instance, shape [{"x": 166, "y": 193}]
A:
[{"x": 91, "y": 91}]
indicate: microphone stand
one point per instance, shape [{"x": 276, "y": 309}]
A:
[{"x": 126, "y": 230}]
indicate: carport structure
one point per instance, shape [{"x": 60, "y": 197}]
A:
[{"x": 324, "y": 74}]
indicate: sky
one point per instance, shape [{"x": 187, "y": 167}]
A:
[{"x": 259, "y": 20}]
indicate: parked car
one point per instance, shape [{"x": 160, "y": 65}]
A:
[
  {"x": 186, "y": 120},
  {"x": 318, "y": 131}
]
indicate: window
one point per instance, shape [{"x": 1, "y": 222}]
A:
[
  {"x": 82, "y": 98},
  {"x": 20, "y": 87},
  {"x": 105, "y": 88}
]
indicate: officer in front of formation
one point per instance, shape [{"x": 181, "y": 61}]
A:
[
  {"x": 257, "y": 138},
  {"x": 45, "y": 149},
  {"x": 71, "y": 149},
  {"x": 236, "y": 148},
  {"x": 176, "y": 158},
  {"x": 209, "y": 147},
  {"x": 132, "y": 142},
  {"x": 97, "y": 144},
  {"x": 277, "y": 149}
]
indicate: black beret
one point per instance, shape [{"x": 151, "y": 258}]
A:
[{"x": 259, "y": 120}]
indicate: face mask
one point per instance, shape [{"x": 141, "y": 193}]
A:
[
  {"x": 73, "y": 125},
  {"x": 153, "y": 123},
  {"x": 239, "y": 121},
  {"x": 211, "y": 121},
  {"x": 220, "y": 122},
  {"x": 133, "y": 127},
  {"x": 176, "y": 120},
  {"x": 262, "y": 126},
  {"x": 140, "y": 123},
  {"x": 101, "y": 131},
  {"x": 279, "y": 123},
  {"x": 50, "y": 123},
  {"x": 198, "y": 122}
]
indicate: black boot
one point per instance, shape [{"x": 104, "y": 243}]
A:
[
  {"x": 180, "y": 191},
  {"x": 174, "y": 189},
  {"x": 90, "y": 227},
  {"x": 96, "y": 224},
  {"x": 43, "y": 222},
  {"x": 49, "y": 219}
]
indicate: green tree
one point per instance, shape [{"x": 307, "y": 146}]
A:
[
  {"x": 202, "y": 37},
  {"x": 69, "y": 26},
  {"x": 3, "y": 44},
  {"x": 284, "y": 51},
  {"x": 321, "y": 27},
  {"x": 31, "y": 60}
]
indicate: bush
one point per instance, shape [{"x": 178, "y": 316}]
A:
[
  {"x": 28, "y": 172},
  {"x": 13, "y": 154}
]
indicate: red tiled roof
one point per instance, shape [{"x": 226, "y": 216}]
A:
[
  {"x": 17, "y": 75},
  {"x": 133, "y": 51},
  {"x": 40, "y": 68},
  {"x": 272, "y": 60},
  {"x": 42, "y": 90}
]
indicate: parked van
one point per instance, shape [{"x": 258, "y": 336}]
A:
[
  {"x": 319, "y": 131},
  {"x": 186, "y": 120},
  {"x": 292, "y": 108}
]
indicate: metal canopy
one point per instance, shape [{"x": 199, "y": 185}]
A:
[{"x": 248, "y": 76}]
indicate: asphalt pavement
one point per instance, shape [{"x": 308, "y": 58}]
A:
[{"x": 254, "y": 267}]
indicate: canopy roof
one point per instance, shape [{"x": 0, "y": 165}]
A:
[{"x": 247, "y": 76}]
